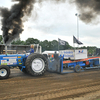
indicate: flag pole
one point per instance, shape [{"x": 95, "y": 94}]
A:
[
  {"x": 73, "y": 42},
  {"x": 73, "y": 45},
  {"x": 58, "y": 44}
]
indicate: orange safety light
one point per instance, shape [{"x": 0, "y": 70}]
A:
[{"x": 52, "y": 56}]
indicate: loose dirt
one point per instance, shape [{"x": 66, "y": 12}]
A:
[{"x": 51, "y": 86}]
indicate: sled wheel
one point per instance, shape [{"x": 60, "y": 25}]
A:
[
  {"x": 77, "y": 68},
  {"x": 4, "y": 72},
  {"x": 36, "y": 64}
]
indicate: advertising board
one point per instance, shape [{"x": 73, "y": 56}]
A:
[
  {"x": 74, "y": 54},
  {"x": 80, "y": 53},
  {"x": 67, "y": 54}
]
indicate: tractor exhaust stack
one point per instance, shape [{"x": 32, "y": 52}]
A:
[{"x": 6, "y": 49}]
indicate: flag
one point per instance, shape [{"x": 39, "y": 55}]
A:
[
  {"x": 76, "y": 41},
  {"x": 61, "y": 42}
]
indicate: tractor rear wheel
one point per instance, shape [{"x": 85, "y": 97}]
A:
[
  {"x": 36, "y": 64},
  {"x": 4, "y": 72}
]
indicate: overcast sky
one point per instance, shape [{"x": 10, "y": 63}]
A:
[{"x": 50, "y": 21}]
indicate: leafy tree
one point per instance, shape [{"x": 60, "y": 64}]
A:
[
  {"x": 54, "y": 45},
  {"x": 83, "y": 47},
  {"x": 45, "y": 45},
  {"x": 32, "y": 41},
  {"x": 91, "y": 49}
]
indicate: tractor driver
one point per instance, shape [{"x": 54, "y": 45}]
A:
[{"x": 32, "y": 49}]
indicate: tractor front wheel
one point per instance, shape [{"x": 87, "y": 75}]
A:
[{"x": 4, "y": 72}]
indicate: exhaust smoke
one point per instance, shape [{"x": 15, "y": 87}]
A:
[
  {"x": 12, "y": 24},
  {"x": 89, "y": 10}
]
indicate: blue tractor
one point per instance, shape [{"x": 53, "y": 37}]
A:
[{"x": 34, "y": 64}]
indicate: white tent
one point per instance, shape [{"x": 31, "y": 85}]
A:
[{"x": 49, "y": 52}]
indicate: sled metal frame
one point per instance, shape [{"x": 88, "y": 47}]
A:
[{"x": 93, "y": 61}]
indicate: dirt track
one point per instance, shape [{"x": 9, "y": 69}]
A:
[{"x": 51, "y": 86}]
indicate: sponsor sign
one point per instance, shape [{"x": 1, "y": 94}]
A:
[
  {"x": 74, "y": 54},
  {"x": 9, "y": 62},
  {"x": 80, "y": 53},
  {"x": 9, "y": 57},
  {"x": 67, "y": 54},
  {"x": 3, "y": 62}
]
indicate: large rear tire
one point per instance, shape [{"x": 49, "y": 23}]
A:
[
  {"x": 4, "y": 72},
  {"x": 36, "y": 64}
]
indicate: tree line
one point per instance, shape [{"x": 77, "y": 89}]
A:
[{"x": 50, "y": 45}]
